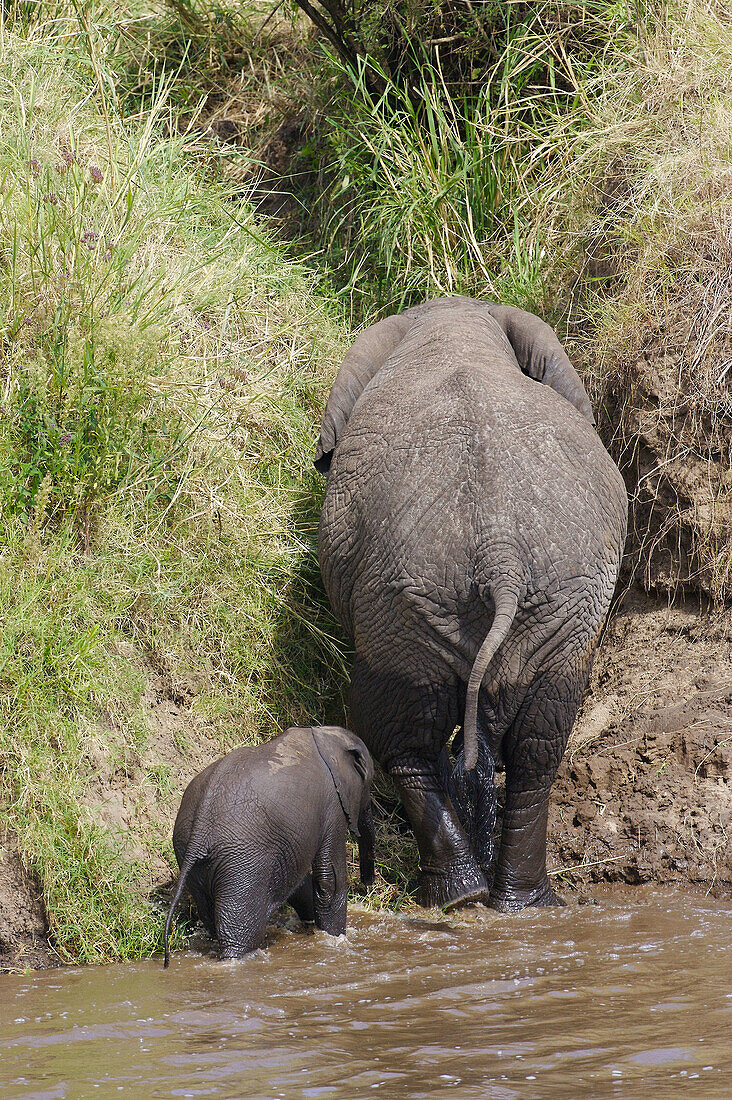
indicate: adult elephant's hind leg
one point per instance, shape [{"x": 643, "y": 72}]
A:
[
  {"x": 449, "y": 872},
  {"x": 521, "y": 879},
  {"x": 532, "y": 749},
  {"x": 405, "y": 726}
]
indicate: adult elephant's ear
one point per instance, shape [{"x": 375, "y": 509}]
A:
[
  {"x": 369, "y": 353},
  {"x": 541, "y": 356},
  {"x": 350, "y": 766}
]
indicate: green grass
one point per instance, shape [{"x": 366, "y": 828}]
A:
[
  {"x": 164, "y": 366},
  {"x": 440, "y": 187}
]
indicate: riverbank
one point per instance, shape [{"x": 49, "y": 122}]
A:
[
  {"x": 643, "y": 796},
  {"x": 164, "y": 366}
]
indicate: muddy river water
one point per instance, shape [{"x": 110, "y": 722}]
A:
[{"x": 627, "y": 997}]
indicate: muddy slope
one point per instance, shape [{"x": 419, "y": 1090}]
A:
[
  {"x": 23, "y": 927},
  {"x": 644, "y": 793}
]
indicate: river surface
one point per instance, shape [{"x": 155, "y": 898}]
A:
[{"x": 628, "y": 997}]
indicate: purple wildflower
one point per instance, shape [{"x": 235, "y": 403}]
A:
[
  {"x": 34, "y": 166},
  {"x": 90, "y": 239},
  {"x": 65, "y": 439},
  {"x": 96, "y": 173},
  {"x": 51, "y": 197},
  {"x": 65, "y": 163}
]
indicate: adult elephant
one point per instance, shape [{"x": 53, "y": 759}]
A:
[{"x": 470, "y": 540}]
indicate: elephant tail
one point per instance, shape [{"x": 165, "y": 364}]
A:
[
  {"x": 506, "y": 605},
  {"x": 191, "y": 857}
]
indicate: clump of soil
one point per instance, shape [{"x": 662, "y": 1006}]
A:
[
  {"x": 23, "y": 928},
  {"x": 644, "y": 793}
]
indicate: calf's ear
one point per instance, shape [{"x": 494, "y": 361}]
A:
[{"x": 350, "y": 767}]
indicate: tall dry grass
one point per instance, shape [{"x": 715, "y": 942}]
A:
[{"x": 656, "y": 287}]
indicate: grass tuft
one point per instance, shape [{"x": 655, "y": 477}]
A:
[{"x": 435, "y": 186}]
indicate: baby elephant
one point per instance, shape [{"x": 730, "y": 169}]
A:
[{"x": 252, "y": 826}]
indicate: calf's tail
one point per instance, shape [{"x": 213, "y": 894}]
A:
[{"x": 188, "y": 862}]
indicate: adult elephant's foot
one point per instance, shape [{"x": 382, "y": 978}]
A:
[
  {"x": 449, "y": 875},
  {"x": 231, "y": 954},
  {"x": 452, "y": 889},
  {"x": 513, "y": 901},
  {"x": 521, "y": 880}
]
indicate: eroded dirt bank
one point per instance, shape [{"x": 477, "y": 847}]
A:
[
  {"x": 23, "y": 926},
  {"x": 644, "y": 794}
]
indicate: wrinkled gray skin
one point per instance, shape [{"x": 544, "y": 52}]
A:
[
  {"x": 268, "y": 824},
  {"x": 470, "y": 540}
]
